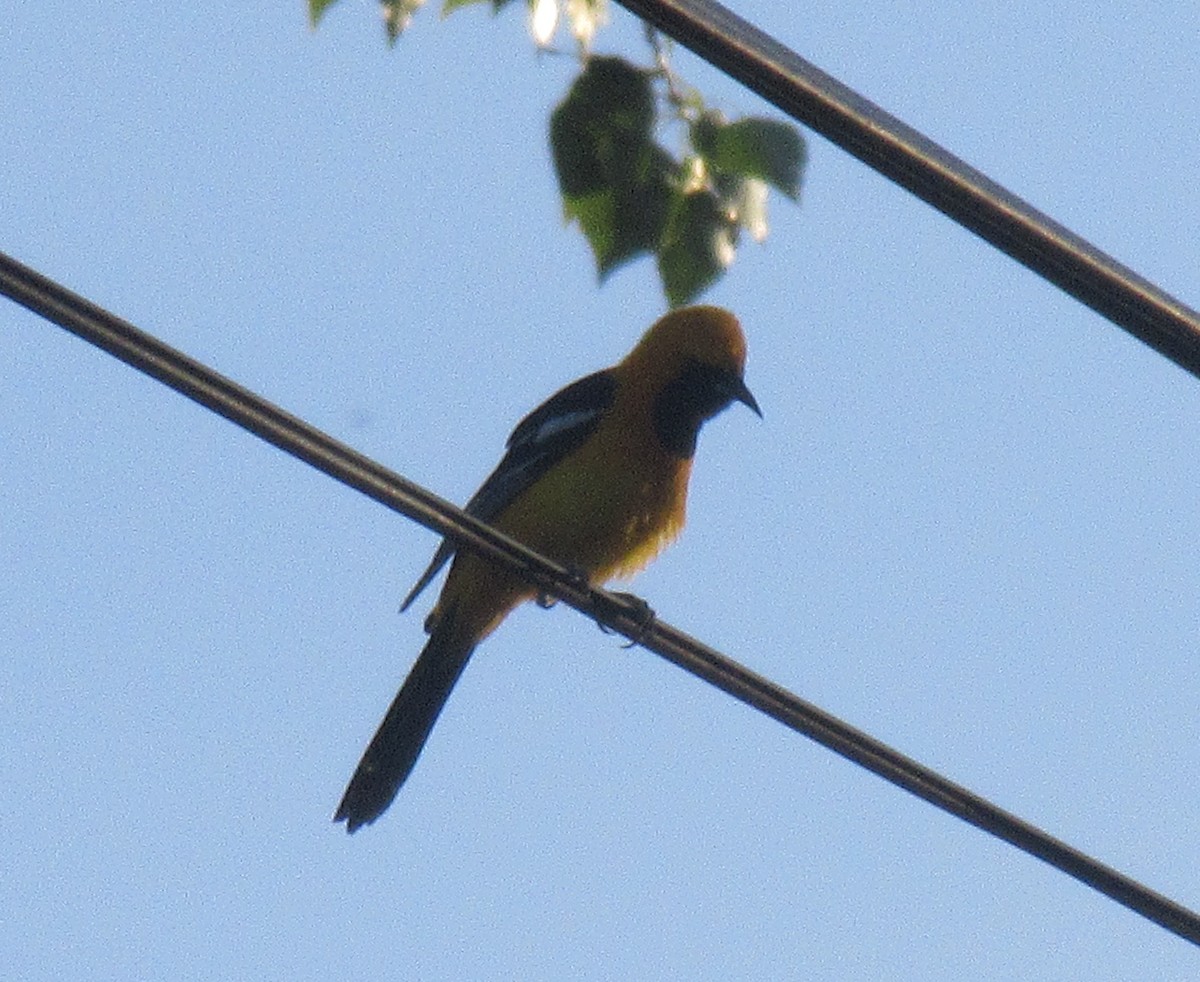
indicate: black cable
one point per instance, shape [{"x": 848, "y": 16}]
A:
[
  {"x": 142, "y": 351},
  {"x": 900, "y": 153}
]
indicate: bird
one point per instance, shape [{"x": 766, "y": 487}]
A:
[{"x": 596, "y": 479}]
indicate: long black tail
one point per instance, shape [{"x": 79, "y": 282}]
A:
[{"x": 397, "y": 743}]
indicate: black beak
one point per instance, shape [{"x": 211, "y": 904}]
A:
[{"x": 739, "y": 392}]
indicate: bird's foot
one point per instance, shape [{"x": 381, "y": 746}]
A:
[
  {"x": 637, "y": 610},
  {"x": 576, "y": 575}
]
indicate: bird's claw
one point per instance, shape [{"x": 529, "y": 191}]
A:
[
  {"x": 575, "y": 574},
  {"x": 641, "y": 613}
]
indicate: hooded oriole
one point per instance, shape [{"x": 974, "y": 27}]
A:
[{"x": 596, "y": 479}]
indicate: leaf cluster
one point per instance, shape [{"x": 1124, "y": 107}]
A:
[
  {"x": 628, "y": 193},
  {"x": 632, "y": 197}
]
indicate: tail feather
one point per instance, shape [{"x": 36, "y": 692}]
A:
[{"x": 398, "y": 742}]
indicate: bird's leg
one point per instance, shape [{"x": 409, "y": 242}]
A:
[
  {"x": 576, "y": 575},
  {"x": 640, "y": 612}
]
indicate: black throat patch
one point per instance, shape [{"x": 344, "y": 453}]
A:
[{"x": 695, "y": 395}]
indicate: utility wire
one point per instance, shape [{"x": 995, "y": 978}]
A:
[
  {"x": 900, "y": 153},
  {"x": 200, "y": 383}
]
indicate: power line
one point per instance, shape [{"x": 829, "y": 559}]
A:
[
  {"x": 239, "y": 405},
  {"x": 913, "y": 161}
]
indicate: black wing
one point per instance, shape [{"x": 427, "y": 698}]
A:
[{"x": 543, "y": 438}]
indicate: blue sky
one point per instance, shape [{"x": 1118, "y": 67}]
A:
[{"x": 967, "y": 523}]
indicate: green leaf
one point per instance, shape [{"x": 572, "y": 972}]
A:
[
  {"x": 623, "y": 221},
  {"x": 705, "y": 132},
  {"x": 316, "y": 10},
  {"x": 764, "y": 148},
  {"x": 698, "y": 246},
  {"x": 615, "y": 180},
  {"x": 449, "y": 6},
  {"x": 597, "y": 131}
]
